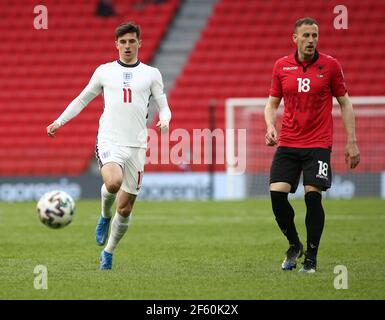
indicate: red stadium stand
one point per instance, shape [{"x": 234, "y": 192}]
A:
[
  {"x": 43, "y": 70},
  {"x": 235, "y": 55}
]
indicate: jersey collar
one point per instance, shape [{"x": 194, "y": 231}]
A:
[
  {"x": 305, "y": 66},
  {"x": 128, "y": 65}
]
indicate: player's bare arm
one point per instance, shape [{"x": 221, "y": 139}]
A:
[
  {"x": 271, "y": 137},
  {"x": 352, "y": 153}
]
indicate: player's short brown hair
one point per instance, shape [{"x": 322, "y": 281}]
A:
[
  {"x": 308, "y": 21},
  {"x": 127, "y": 27}
]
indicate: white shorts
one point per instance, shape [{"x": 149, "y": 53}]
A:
[{"x": 130, "y": 159}]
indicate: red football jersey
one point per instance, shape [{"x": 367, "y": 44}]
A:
[{"x": 307, "y": 90}]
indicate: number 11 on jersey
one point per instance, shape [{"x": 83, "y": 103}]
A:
[{"x": 127, "y": 95}]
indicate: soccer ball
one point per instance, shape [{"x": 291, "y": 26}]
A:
[{"x": 56, "y": 209}]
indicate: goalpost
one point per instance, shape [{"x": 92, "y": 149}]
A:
[{"x": 368, "y": 179}]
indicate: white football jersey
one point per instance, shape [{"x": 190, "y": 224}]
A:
[{"x": 126, "y": 90}]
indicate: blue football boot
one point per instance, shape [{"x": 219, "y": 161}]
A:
[
  {"x": 105, "y": 260},
  {"x": 101, "y": 232}
]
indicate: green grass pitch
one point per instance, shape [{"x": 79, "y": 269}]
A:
[{"x": 193, "y": 250}]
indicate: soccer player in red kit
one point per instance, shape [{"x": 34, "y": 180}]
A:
[{"x": 307, "y": 81}]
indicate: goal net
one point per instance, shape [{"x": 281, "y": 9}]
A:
[{"x": 368, "y": 179}]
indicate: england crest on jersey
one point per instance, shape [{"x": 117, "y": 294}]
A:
[{"x": 127, "y": 77}]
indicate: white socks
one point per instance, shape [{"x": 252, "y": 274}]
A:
[
  {"x": 119, "y": 224},
  {"x": 107, "y": 202},
  {"x": 119, "y": 227}
]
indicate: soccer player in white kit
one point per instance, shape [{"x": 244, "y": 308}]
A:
[{"x": 127, "y": 86}]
